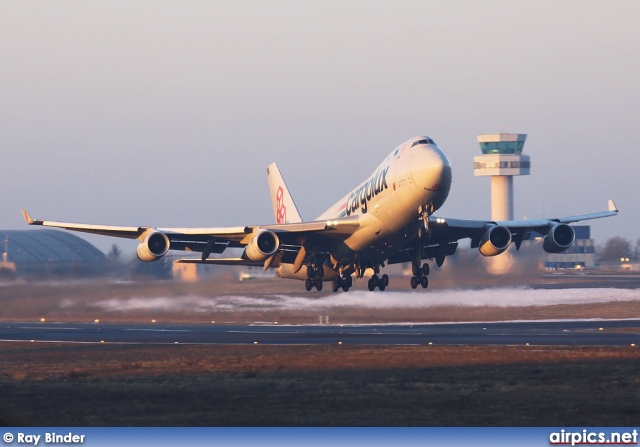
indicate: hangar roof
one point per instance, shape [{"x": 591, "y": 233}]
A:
[{"x": 47, "y": 246}]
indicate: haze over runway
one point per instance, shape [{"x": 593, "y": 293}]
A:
[
  {"x": 503, "y": 297},
  {"x": 168, "y": 114}
]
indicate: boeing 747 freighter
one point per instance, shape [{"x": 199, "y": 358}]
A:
[{"x": 386, "y": 219}]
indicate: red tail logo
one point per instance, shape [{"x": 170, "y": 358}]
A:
[{"x": 281, "y": 208}]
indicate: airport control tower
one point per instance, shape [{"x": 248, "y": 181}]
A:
[{"x": 501, "y": 159}]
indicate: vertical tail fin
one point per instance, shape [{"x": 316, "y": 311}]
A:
[{"x": 284, "y": 208}]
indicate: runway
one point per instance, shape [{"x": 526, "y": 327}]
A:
[{"x": 572, "y": 333}]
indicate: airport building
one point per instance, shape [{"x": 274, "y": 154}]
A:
[
  {"x": 48, "y": 253},
  {"x": 582, "y": 254}
]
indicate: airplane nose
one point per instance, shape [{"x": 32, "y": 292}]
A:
[{"x": 431, "y": 171}]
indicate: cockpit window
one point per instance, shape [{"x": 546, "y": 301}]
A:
[{"x": 427, "y": 141}]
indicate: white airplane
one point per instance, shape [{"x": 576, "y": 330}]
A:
[{"x": 388, "y": 218}]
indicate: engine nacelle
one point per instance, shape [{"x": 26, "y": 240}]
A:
[
  {"x": 559, "y": 238},
  {"x": 153, "y": 247},
  {"x": 495, "y": 240},
  {"x": 264, "y": 244}
]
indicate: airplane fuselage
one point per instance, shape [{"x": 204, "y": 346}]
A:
[{"x": 415, "y": 177}]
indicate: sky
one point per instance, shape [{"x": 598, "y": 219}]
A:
[{"x": 167, "y": 113}]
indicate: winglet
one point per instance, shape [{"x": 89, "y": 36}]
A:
[
  {"x": 28, "y": 218},
  {"x": 612, "y": 206}
]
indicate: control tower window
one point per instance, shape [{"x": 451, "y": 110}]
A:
[{"x": 502, "y": 147}]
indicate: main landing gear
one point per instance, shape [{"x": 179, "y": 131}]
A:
[
  {"x": 379, "y": 282},
  {"x": 314, "y": 278},
  {"x": 420, "y": 274},
  {"x": 342, "y": 282},
  {"x": 311, "y": 282}
]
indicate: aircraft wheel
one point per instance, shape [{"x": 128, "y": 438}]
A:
[
  {"x": 415, "y": 269},
  {"x": 381, "y": 286},
  {"x": 349, "y": 281},
  {"x": 414, "y": 282},
  {"x": 335, "y": 285},
  {"x": 318, "y": 284},
  {"x": 308, "y": 284},
  {"x": 372, "y": 285},
  {"x": 345, "y": 288},
  {"x": 309, "y": 272},
  {"x": 385, "y": 280},
  {"x": 425, "y": 269},
  {"x": 424, "y": 281},
  {"x": 320, "y": 272}
]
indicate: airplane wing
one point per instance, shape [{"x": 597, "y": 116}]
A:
[
  {"x": 438, "y": 241},
  {"x": 216, "y": 239},
  {"x": 441, "y": 238}
]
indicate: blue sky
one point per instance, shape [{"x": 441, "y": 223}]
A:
[{"x": 168, "y": 113}]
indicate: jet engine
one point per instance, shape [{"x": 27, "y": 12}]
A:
[
  {"x": 495, "y": 240},
  {"x": 154, "y": 246},
  {"x": 264, "y": 244},
  {"x": 559, "y": 238}
]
